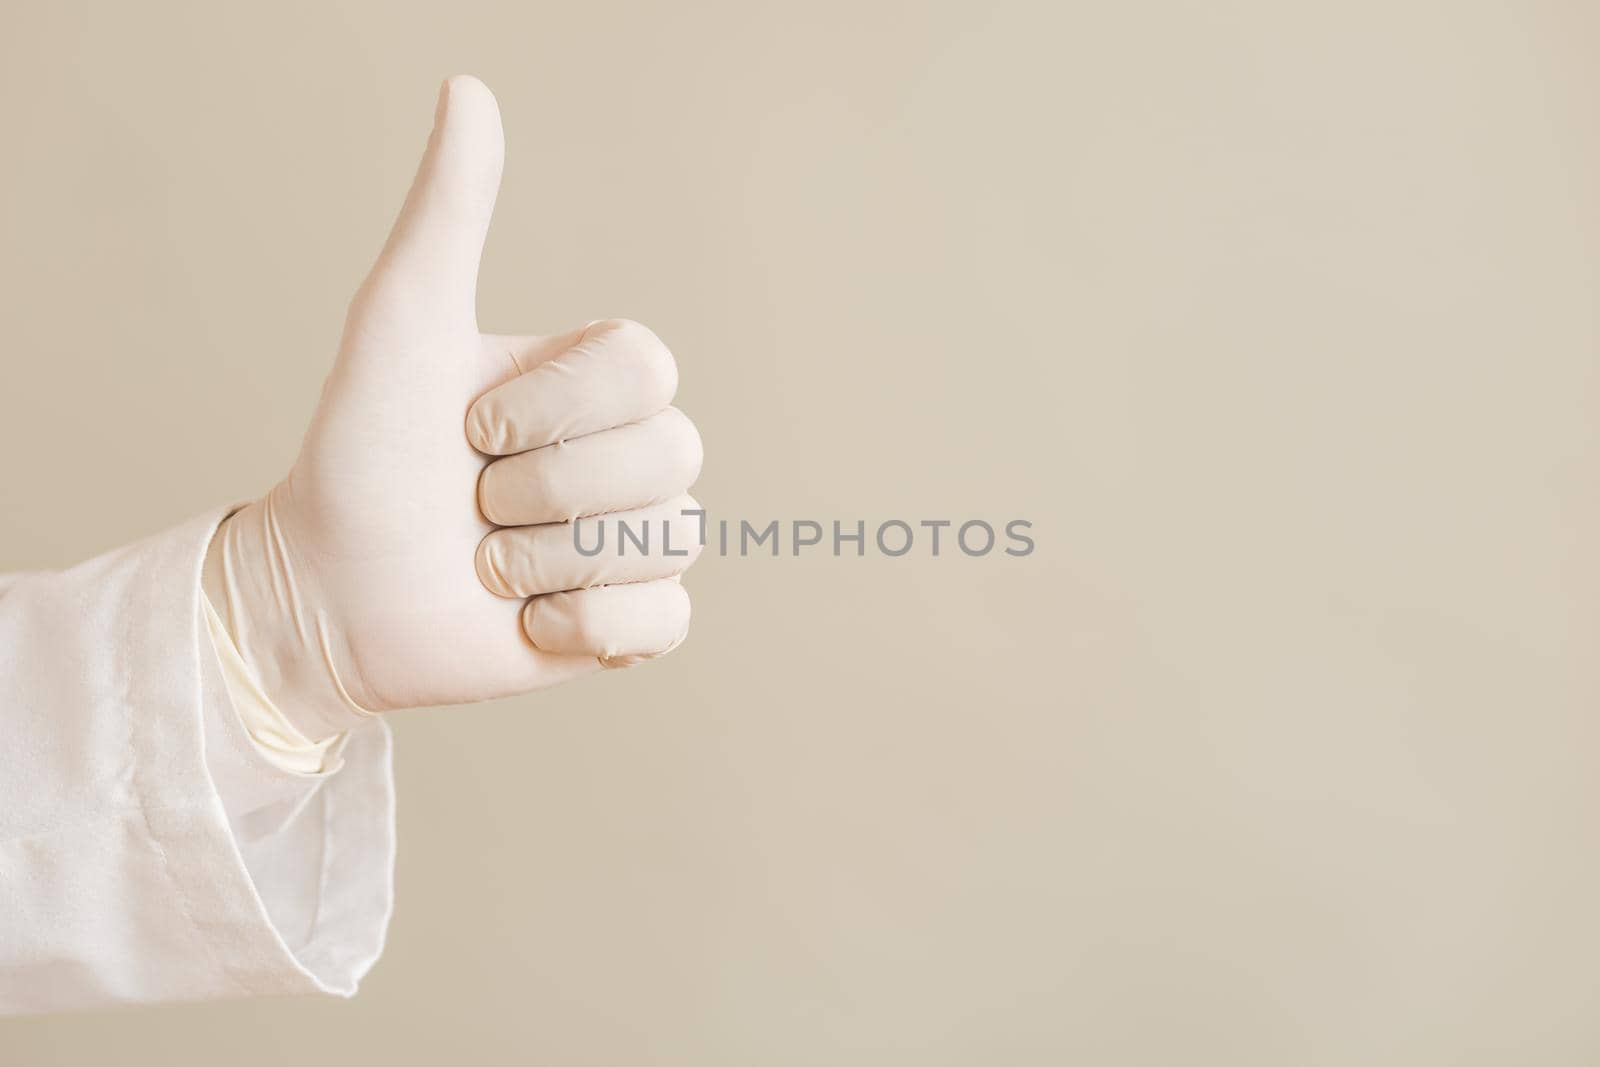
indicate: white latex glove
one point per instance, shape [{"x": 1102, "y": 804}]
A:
[{"x": 354, "y": 584}]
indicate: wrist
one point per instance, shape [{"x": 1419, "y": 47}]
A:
[{"x": 257, "y": 600}]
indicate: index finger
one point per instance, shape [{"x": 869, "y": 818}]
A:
[{"x": 618, "y": 372}]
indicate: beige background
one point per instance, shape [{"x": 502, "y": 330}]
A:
[{"x": 1281, "y": 327}]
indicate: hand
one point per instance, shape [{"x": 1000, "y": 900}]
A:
[{"x": 392, "y": 568}]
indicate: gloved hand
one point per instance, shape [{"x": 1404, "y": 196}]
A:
[{"x": 399, "y": 563}]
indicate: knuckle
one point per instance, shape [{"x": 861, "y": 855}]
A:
[
  {"x": 630, "y": 333},
  {"x": 678, "y": 630},
  {"x": 686, "y": 448},
  {"x": 667, "y": 629},
  {"x": 652, "y": 360},
  {"x": 686, "y": 530},
  {"x": 680, "y": 609}
]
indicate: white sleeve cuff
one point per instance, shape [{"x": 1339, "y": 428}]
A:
[
  {"x": 313, "y": 821},
  {"x": 123, "y": 878}
]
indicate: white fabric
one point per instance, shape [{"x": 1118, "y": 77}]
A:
[{"x": 122, "y": 877}]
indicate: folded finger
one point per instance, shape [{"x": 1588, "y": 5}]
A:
[
  {"x": 617, "y": 372},
  {"x": 625, "y": 546},
  {"x": 617, "y": 624},
  {"x": 628, "y": 467}
]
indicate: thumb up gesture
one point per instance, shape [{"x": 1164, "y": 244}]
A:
[{"x": 421, "y": 550}]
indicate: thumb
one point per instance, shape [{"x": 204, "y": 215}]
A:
[{"x": 428, "y": 269}]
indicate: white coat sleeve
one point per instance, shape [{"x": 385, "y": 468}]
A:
[{"x": 122, "y": 878}]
